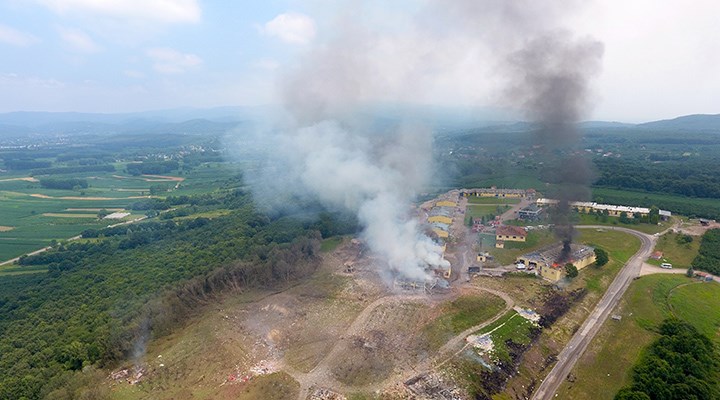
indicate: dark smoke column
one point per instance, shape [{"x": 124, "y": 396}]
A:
[{"x": 550, "y": 78}]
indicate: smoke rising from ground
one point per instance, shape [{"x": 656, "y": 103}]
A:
[
  {"x": 548, "y": 73},
  {"x": 550, "y": 79},
  {"x": 328, "y": 153}
]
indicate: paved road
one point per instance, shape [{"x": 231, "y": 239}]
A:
[{"x": 580, "y": 341}]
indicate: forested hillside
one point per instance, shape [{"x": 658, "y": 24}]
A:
[{"x": 102, "y": 298}]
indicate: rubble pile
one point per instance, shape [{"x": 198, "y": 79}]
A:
[
  {"x": 432, "y": 386},
  {"x": 326, "y": 394}
]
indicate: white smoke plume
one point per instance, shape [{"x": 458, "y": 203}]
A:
[
  {"x": 329, "y": 153},
  {"x": 373, "y": 177}
]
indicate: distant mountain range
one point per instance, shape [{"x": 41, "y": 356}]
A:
[{"x": 219, "y": 119}]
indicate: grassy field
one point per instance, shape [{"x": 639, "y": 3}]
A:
[
  {"x": 492, "y": 200},
  {"x": 510, "y": 327},
  {"x": 479, "y": 211},
  {"x": 587, "y": 219},
  {"x": 620, "y": 247},
  {"x": 330, "y": 244},
  {"x": 458, "y": 315},
  {"x": 679, "y": 255},
  {"x": 650, "y": 299},
  {"x": 535, "y": 240}
]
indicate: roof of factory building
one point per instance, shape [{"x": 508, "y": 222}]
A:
[
  {"x": 498, "y": 191},
  {"x": 598, "y": 206},
  {"x": 532, "y": 208},
  {"x": 440, "y": 225},
  {"x": 443, "y": 211},
  {"x": 509, "y": 230},
  {"x": 665, "y": 213}
]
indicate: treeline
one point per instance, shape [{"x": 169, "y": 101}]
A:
[
  {"x": 152, "y": 167},
  {"x": 64, "y": 183},
  {"x": 681, "y": 365},
  {"x": 21, "y": 164},
  {"x": 101, "y": 299},
  {"x": 708, "y": 258},
  {"x": 73, "y": 170},
  {"x": 685, "y": 177}
]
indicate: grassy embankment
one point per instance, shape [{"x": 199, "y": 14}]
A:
[
  {"x": 606, "y": 365},
  {"x": 461, "y": 314},
  {"x": 680, "y": 255},
  {"x": 587, "y": 219}
]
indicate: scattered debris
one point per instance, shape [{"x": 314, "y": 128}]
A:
[
  {"x": 528, "y": 314},
  {"x": 132, "y": 377},
  {"x": 433, "y": 386},
  {"x": 481, "y": 342},
  {"x": 326, "y": 394}
]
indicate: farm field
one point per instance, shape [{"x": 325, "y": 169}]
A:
[
  {"x": 649, "y": 300},
  {"x": 34, "y": 216}
]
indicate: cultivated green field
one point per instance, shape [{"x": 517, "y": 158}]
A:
[
  {"x": 33, "y": 216},
  {"x": 605, "y": 366}
]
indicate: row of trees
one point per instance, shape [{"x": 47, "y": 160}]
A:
[
  {"x": 708, "y": 258},
  {"x": 686, "y": 177},
  {"x": 152, "y": 167},
  {"x": 64, "y": 183}
]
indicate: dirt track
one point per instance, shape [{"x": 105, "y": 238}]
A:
[{"x": 321, "y": 375}]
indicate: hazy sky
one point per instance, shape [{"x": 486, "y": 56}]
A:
[{"x": 662, "y": 57}]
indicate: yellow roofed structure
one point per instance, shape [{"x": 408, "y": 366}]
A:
[
  {"x": 441, "y": 233},
  {"x": 440, "y": 218},
  {"x": 445, "y": 203}
]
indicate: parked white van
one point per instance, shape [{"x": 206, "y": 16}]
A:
[{"x": 666, "y": 265}]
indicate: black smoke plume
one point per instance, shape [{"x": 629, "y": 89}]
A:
[{"x": 550, "y": 77}]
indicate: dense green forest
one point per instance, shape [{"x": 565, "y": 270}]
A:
[
  {"x": 64, "y": 184},
  {"x": 681, "y": 365},
  {"x": 676, "y": 171},
  {"x": 101, "y": 298},
  {"x": 708, "y": 258}
]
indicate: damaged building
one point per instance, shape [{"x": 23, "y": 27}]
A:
[{"x": 550, "y": 261}]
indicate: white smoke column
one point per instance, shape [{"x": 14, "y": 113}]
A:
[{"x": 375, "y": 179}]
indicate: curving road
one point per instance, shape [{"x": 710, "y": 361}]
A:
[{"x": 580, "y": 341}]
